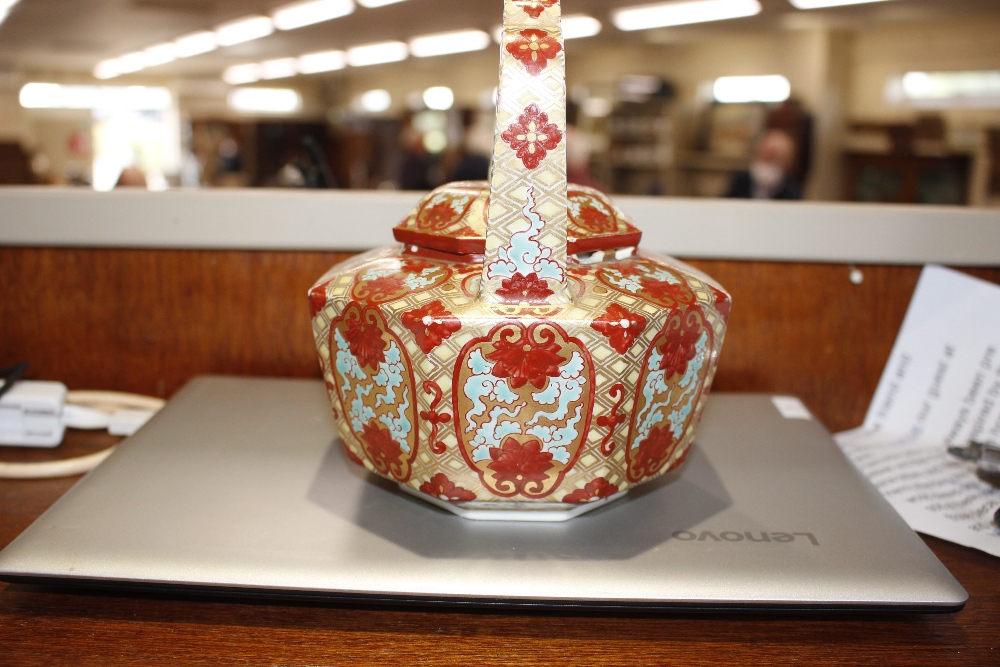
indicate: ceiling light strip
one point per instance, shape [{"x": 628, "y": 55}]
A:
[{"x": 684, "y": 12}]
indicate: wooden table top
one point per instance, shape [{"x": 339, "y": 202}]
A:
[{"x": 45, "y": 626}]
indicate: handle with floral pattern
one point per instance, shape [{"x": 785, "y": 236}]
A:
[{"x": 525, "y": 259}]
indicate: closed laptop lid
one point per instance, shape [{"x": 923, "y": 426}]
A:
[{"x": 239, "y": 485}]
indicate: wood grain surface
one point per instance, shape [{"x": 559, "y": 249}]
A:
[{"x": 149, "y": 320}]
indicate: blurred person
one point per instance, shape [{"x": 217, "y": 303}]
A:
[
  {"x": 769, "y": 174},
  {"x": 131, "y": 177},
  {"x": 415, "y": 161}
]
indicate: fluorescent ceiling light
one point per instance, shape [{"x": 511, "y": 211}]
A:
[
  {"x": 371, "y": 4},
  {"x": 580, "y": 25},
  {"x": 267, "y": 100},
  {"x": 439, "y": 98},
  {"x": 682, "y": 13},
  {"x": 243, "y": 30},
  {"x": 375, "y": 101},
  {"x": 57, "y": 96},
  {"x": 196, "y": 43},
  {"x": 5, "y": 5},
  {"x": 817, "y": 4},
  {"x": 160, "y": 54},
  {"x": 131, "y": 62},
  {"x": 376, "y": 54},
  {"x": 279, "y": 68},
  {"x": 737, "y": 89},
  {"x": 444, "y": 43},
  {"x": 306, "y": 13},
  {"x": 945, "y": 90},
  {"x": 238, "y": 74},
  {"x": 322, "y": 61},
  {"x": 107, "y": 69}
]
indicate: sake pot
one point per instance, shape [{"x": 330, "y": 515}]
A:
[{"x": 515, "y": 355}]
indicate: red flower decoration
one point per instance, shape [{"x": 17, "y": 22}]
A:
[
  {"x": 441, "y": 487},
  {"x": 534, "y": 48},
  {"x": 595, "y": 220},
  {"x": 667, "y": 292},
  {"x": 364, "y": 339},
  {"x": 534, "y": 8},
  {"x": 351, "y": 455},
  {"x": 520, "y": 287},
  {"x": 653, "y": 451},
  {"x": 532, "y": 136},
  {"x": 437, "y": 217},
  {"x": 620, "y": 326},
  {"x": 680, "y": 344},
  {"x": 431, "y": 324},
  {"x": 383, "y": 287},
  {"x": 518, "y": 465},
  {"x": 526, "y": 360},
  {"x": 599, "y": 488},
  {"x": 382, "y": 449}
]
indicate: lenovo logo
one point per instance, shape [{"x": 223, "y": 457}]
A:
[{"x": 746, "y": 536}]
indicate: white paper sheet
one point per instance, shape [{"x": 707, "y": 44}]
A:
[{"x": 940, "y": 387}]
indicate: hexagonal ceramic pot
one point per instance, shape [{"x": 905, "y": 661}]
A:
[{"x": 517, "y": 357}]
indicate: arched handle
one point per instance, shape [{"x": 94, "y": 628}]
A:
[{"x": 525, "y": 259}]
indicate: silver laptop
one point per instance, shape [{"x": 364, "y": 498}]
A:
[{"x": 239, "y": 486}]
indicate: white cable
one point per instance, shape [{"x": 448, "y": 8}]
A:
[
  {"x": 77, "y": 416},
  {"x": 109, "y": 401},
  {"x": 121, "y": 413},
  {"x": 47, "y": 469}
]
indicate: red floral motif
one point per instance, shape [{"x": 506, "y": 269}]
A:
[
  {"x": 317, "y": 298},
  {"x": 526, "y": 360},
  {"x": 680, "y": 344},
  {"x": 430, "y": 325},
  {"x": 667, "y": 292},
  {"x": 534, "y": 8},
  {"x": 380, "y": 288},
  {"x": 364, "y": 339},
  {"x": 532, "y": 136},
  {"x": 534, "y": 48},
  {"x": 653, "y": 451},
  {"x": 410, "y": 265},
  {"x": 517, "y": 465},
  {"x": 438, "y": 217},
  {"x": 382, "y": 449},
  {"x": 354, "y": 458},
  {"x": 620, "y": 326},
  {"x": 520, "y": 287},
  {"x": 441, "y": 487},
  {"x": 611, "y": 421},
  {"x": 598, "y": 488},
  {"x": 595, "y": 220},
  {"x": 630, "y": 268},
  {"x": 722, "y": 303},
  {"x": 434, "y": 417}
]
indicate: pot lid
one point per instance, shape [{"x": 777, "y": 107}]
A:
[{"x": 452, "y": 218}]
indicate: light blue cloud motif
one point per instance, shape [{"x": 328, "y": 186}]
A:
[
  {"x": 627, "y": 283},
  {"x": 525, "y": 253},
  {"x": 662, "y": 274},
  {"x": 399, "y": 426},
  {"x": 482, "y": 384},
  {"x": 381, "y": 271},
  {"x": 389, "y": 375},
  {"x": 423, "y": 279},
  {"x": 658, "y": 396},
  {"x": 360, "y": 413},
  {"x": 347, "y": 363},
  {"x": 561, "y": 391}
]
